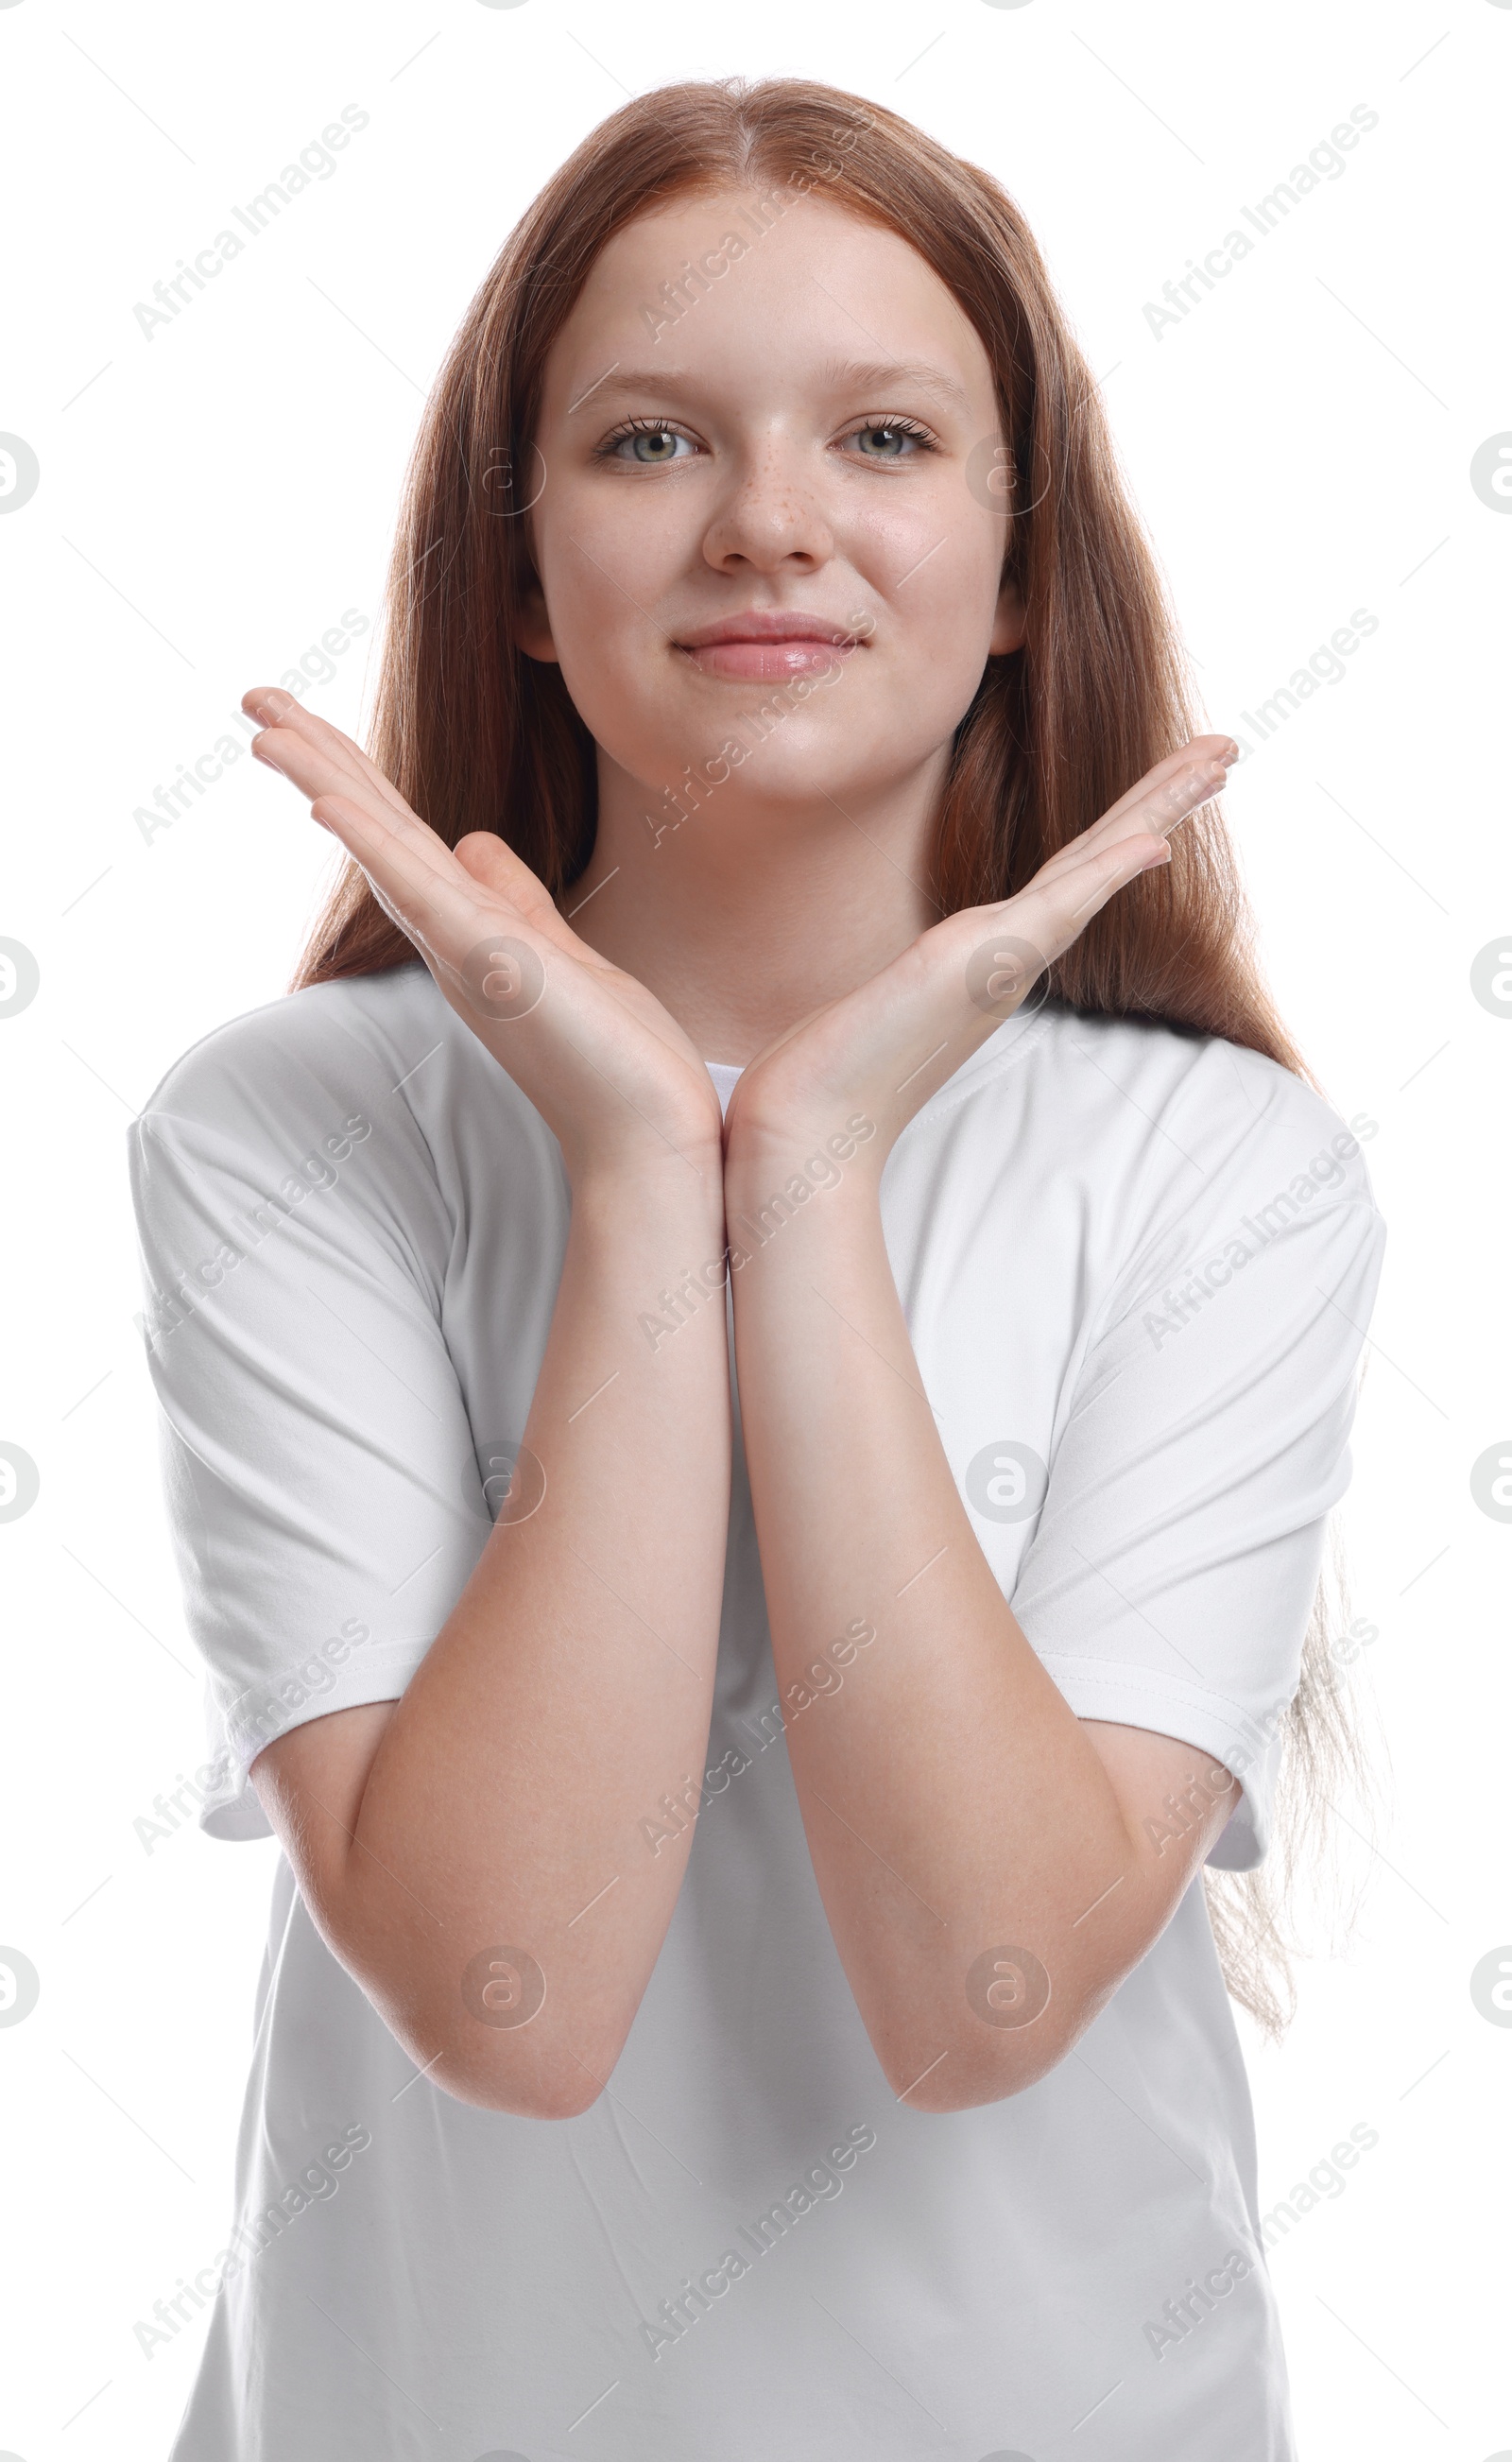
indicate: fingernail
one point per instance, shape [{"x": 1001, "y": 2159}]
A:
[
  {"x": 268, "y": 759},
  {"x": 269, "y": 706}
]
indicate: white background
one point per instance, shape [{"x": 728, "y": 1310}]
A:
[{"x": 213, "y": 498}]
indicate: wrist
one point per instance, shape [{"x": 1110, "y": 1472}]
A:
[
  {"x": 840, "y": 1151},
  {"x": 830, "y": 1182},
  {"x": 677, "y": 1191},
  {"x": 628, "y": 1144}
]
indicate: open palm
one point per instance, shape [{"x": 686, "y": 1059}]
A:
[
  {"x": 611, "y": 1073},
  {"x": 886, "y": 1047}
]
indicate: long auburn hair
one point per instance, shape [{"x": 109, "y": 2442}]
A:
[{"x": 475, "y": 735}]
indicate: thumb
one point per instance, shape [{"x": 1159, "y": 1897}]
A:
[
  {"x": 496, "y": 867},
  {"x": 489, "y": 861}
]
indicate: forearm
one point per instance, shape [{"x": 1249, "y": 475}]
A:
[
  {"x": 952, "y": 1800},
  {"x": 569, "y": 1691}
]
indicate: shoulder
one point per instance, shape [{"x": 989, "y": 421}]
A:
[
  {"x": 1247, "y": 1175},
  {"x": 1171, "y": 1139},
  {"x": 1161, "y": 1100},
  {"x": 275, "y": 1102},
  {"x": 1203, "y": 1099},
  {"x": 331, "y": 1038}
]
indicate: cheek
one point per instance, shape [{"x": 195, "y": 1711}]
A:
[
  {"x": 934, "y": 556},
  {"x": 602, "y": 577},
  {"x": 928, "y": 570},
  {"x": 936, "y": 624}
]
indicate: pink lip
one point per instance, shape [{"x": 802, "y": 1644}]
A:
[
  {"x": 765, "y": 645},
  {"x": 768, "y": 661}
]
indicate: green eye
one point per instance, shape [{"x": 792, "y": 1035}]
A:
[
  {"x": 892, "y": 440},
  {"x": 649, "y": 446}
]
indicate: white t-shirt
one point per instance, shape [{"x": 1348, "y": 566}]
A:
[{"x": 1136, "y": 1260}]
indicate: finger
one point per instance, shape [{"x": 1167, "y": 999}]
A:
[
  {"x": 1200, "y": 749},
  {"x": 502, "y": 875},
  {"x": 437, "y": 905},
  {"x": 1167, "y": 796},
  {"x": 419, "y": 893},
  {"x": 489, "y": 860},
  {"x": 417, "y": 880},
  {"x": 1163, "y": 806},
  {"x": 486, "y": 858},
  {"x": 278, "y": 709},
  {"x": 339, "y": 828},
  {"x": 320, "y": 761},
  {"x": 327, "y": 765},
  {"x": 324, "y": 770},
  {"x": 1030, "y": 931},
  {"x": 1051, "y": 914}
]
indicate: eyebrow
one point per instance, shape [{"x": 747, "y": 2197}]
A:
[{"x": 864, "y": 377}]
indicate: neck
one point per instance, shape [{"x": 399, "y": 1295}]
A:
[{"x": 750, "y": 911}]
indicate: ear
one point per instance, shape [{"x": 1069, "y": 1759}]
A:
[
  {"x": 532, "y": 630},
  {"x": 1009, "y": 623}
]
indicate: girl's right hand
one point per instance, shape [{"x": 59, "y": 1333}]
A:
[{"x": 613, "y": 1075}]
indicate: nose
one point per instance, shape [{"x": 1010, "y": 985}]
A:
[{"x": 770, "y": 515}]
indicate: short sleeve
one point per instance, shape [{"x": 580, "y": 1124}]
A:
[
  {"x": 1171, "y": 1575},
  {"x": 316, "y": 1441}
]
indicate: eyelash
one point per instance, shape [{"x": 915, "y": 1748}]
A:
[{"x": 912, "y": 429}]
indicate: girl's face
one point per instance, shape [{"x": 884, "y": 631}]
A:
[{"x": 797, "y": 440}]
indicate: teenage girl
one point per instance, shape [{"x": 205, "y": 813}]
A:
[{"x": 755, "y": 1365}]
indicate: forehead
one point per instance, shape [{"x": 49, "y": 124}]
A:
[{"x": 746, "y": 279}]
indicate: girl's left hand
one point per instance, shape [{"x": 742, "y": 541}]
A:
[{"x": 886, "y": 1048}]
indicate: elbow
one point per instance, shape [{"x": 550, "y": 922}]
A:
[
  {"x": 552, "y": 2067},
  {"x": 960, "y": 2083},
  {"x": 544, "y": 2067},
  {"x": 500, "y": 2043},
  {"x": 532, "y": 2091},
  {"x": 967, "y": 2072},
  {"x": 1006, "y": 2031}
]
